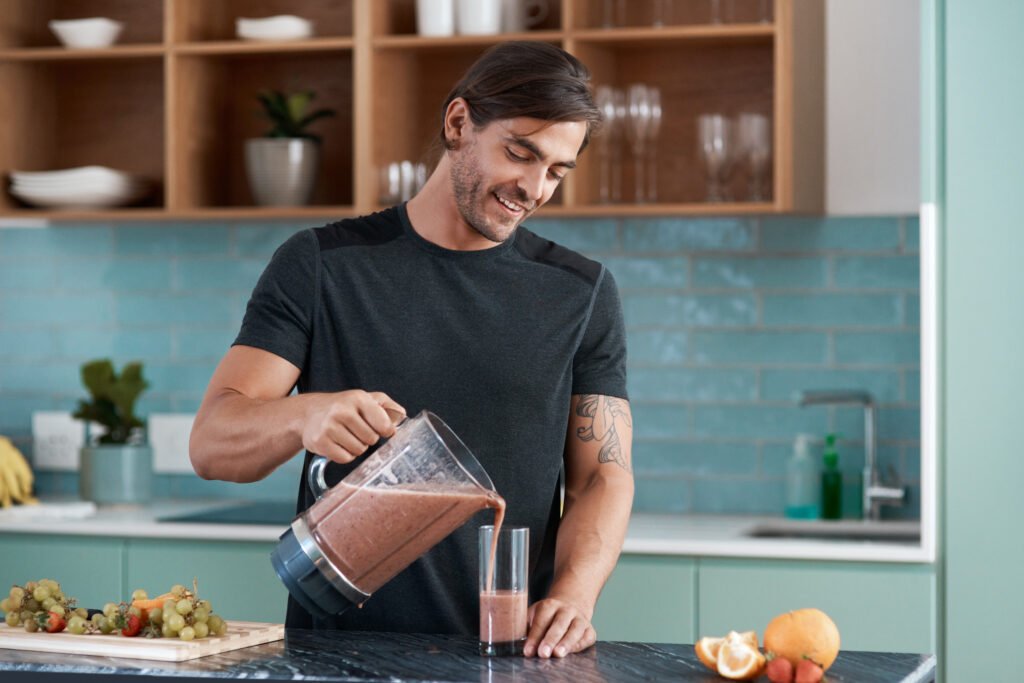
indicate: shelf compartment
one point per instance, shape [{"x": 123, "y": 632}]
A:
[
  {"x": 53, "y": 54},
  {"x": 621, "y": 14},
  {"x": 214, "y": 20},
  {"x": 215, "y": 110},
  {"x": 79, "y": 113},
  {"x": 398, "y": 18},
  {"x": 247, "y": 47},
  {"x": 693, "y": 79},
  {"x": 25, "y": 23},
  {"x": 414, "y": 42}
]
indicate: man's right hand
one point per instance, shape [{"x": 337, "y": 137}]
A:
[{"x": 341, "y": 426}]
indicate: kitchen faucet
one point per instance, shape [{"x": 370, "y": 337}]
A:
[{"x": 874, "y": 493}]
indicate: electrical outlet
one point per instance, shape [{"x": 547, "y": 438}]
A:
[
  {"x": 168, "y": 436},
  {"x": 56, "y": 439}
]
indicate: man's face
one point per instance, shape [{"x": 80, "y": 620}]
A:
[{"x": 508, "y": 169}]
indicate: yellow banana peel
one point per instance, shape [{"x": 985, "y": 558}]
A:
[{"x": 16, "y": 477}]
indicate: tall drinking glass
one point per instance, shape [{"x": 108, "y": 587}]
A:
[
  {"x": 715, "y": 140},
  {"x": 504, "y": 594},
  {"x": 755, "y": 142}
]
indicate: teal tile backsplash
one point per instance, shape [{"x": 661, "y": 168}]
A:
[{"x": 727, "y": 318}]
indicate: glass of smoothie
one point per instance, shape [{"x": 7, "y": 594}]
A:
[{"x": 504, "y": 596}]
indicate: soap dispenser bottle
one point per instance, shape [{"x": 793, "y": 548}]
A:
[
  {"x": 802, "y": 481},
  {"x": 831, "y": 482}
]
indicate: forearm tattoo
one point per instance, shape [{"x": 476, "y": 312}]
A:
[{"x": 606, "y": 413}]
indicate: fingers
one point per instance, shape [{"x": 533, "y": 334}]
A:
[
  {"x": 382, "y": 413},
  {"x": 346, "y": 424},
  {"x": 557, "y": 630},
  {"x": 573, "y": 638}
]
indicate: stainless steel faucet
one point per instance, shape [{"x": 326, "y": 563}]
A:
[{"x": 874, "y": 493}]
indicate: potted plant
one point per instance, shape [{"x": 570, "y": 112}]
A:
[
  {"x": 116, "y": 465},
  {"x": 282, "y": 165}
]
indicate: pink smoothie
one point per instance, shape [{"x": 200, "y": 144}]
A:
[
  {"x": 371, "y": 534},
  {"x": 503, "y": 616}
]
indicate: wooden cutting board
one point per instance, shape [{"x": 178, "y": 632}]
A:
[{"x": 240, "y": 634}]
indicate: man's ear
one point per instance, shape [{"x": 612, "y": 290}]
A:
[{"x": 456, "y": 118}]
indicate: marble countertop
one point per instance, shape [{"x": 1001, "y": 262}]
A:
[
  {"x": 673, "y": 535},
  {"x": 397, "y": 658}
]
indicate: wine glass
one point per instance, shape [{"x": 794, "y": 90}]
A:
[
  {"x": 604, "y": 98},
  {"x": 754, "y": 139},
  {"x": 654, "y": 96},
  {"x": 715, "y": 139},
  {"x": 638, "y": 125}
]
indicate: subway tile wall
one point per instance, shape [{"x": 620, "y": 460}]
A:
[{"x": 727, "y": 318}]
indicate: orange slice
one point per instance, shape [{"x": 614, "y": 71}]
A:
[
  {"x": 748, "y": 637},
  {"x": 738, "y": 661},
  {"x": 707, "y": 651}
]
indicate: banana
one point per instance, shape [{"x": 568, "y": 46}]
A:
[{"x": 15, "y": 476}]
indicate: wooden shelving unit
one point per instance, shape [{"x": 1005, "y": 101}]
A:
[{"x": 175, "y": 99}]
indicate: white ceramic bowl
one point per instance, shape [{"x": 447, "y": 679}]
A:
[
  {"x": 87, "y": 33},
  {"x": 281, "y": 27}
]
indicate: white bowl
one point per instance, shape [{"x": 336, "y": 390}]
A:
[
  {"x": 281, "y": 27},
  {"x": 87, "y": 33}
]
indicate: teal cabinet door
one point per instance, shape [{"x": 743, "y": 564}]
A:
[
  {"x": 886, "y": 608},
  {"x": 236, "y": 577},
  {"x": 650, "y": 599},
  {"x": 87, "y": 568}
]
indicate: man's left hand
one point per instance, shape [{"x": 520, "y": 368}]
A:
[{"x": 557, "y": 629}]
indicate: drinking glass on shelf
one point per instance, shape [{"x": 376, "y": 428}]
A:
[
  {"x": 607, "y": 139},
  {"x": 716, "y": 11},
  {"x": 662, "y": 13},
  {"x": 764, "y": 14},
  {"x": 614, "y": 14},
  {"x": 654, "y": 97},
  {"x": 637, "y": 130},
  {"x": 715, "y": 140},
  {"x": 754, "y": 139}
]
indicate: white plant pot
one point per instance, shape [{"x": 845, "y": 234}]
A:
[
  {"x": 282, "y": 171},
  {"x": 111, "y": 474}
]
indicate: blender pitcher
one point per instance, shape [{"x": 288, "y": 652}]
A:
[{"x": 413, "y": 491}]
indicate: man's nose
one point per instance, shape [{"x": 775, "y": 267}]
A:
[{"x": 532, "y": 183}]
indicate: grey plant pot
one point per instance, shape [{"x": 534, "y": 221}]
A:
[
  {"x": 116, "y": 474},
  {"x": 281, "y": 171}
]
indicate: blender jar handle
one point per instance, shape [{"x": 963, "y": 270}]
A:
[{"x": 315, "y": 477}]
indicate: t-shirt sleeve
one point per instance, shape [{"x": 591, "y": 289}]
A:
[
  {"x": 599, "y": 366},
  {"x": 279, "y": 316}
]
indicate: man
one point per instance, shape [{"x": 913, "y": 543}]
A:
[{"x": 448, "y": 304}]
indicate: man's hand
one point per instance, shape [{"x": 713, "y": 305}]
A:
[
  {"x": 557, "y": 629},
  {"x": 341, "y": 426}
]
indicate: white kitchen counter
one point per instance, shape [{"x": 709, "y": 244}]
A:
[{"x": 671, "y": 535}]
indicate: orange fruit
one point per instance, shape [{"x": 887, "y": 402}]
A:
[
  {"x": 739, "y": 661},
  {"x": 707, "y": 651},
  {"x": 803, "y": 634}
]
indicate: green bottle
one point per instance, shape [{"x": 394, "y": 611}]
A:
[{"x": 831, "y": 482}]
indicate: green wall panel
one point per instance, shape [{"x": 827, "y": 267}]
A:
[
  {"x": 888, "y": 608},
  {"x": 648, "y": 599},
  {"x": 236, "y": 577},
  {"x": 87, "y": 568}
]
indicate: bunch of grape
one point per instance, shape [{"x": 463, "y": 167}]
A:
[
  {"x": 183, "y": 615},
  {"x": 41, "y": 605}
]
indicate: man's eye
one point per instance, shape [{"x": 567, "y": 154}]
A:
[
  {"x": 555, "y": 176},
  {"x": 515, "y": 157}
]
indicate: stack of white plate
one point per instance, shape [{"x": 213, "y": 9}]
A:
[
  {"x": 280, "y": 27},
  {"x": 86, "y": 187}
]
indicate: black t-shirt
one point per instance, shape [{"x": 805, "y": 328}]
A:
[{"x": 494, "y": 342}]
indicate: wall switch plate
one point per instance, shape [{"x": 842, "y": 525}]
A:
[
  {"x": 168, "y": 435},
  {"x": 56, "y": 438}
]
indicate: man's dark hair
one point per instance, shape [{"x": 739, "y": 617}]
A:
[{"x": 525, "y": 78}]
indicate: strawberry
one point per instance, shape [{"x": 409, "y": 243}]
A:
[
  {"x": 808, "y": 672},
  {"x": 779, "y": 670},
  {"x": 132, "y": 625},
  {"x": 51, "y": 622}
]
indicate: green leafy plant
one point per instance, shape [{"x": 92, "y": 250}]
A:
[
  {"x": 288, "y": 113},
  {"x": 113, "y": 398}
]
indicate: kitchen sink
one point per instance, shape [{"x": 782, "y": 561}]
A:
[{"x": 839, "y": 530}]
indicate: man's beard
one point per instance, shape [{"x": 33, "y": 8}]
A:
[{"x": 471, "y": 199}]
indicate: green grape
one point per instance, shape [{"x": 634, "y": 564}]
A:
[
  {"x": 48, "y": 603},
  {"x": 109, "y": 610},
  {"x": 176, "y": 621},
  {"x": 106, "y": 625},
  {"x": 49, "y": 582},
  {"x": 26, "y": 616},
  {"x": 41, "y": 593},
  {"x": 5, "y": 605},
  {"x": 57, "y": 595},
  {"x": 13, "y": 618},
  {"x": 200, "y": 614},
  {"x": 57, "y": 609},
  {"x": 178, "y": 590},
  {"x": 17, "y": 593},
  {"x": 184, "y": 606},
  {"x": 187, "y": 633},
  {"x": 156, "y": 616},
  {"x": 139, "y": 594},
  {"x": 32, "y": 605},
  {"x": 136, "y": 611},
  {"x": 96, "y": 618},
  {"x": 218, "y": 626},
  {"x": 169, "y": 604},
  {"x": 204, "y": 604},
  {"x": 82, "y": 612},
  {"x": 201, "y": 628},
  {"x": 30, "y": 586},
  {"x": 76, "y": 625},
  {"x": 166, "y": 631},
  {"x": 31, "y": 626}
]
